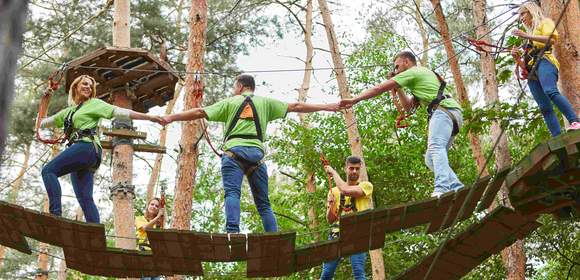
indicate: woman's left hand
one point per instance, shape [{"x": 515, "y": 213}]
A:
[{"x": 520, "y": 33}]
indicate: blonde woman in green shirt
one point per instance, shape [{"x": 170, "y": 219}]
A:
[
  {"x": 246, "y": 117},
  {"x": 83, "y": 155}
]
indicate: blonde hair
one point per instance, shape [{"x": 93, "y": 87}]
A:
[
  {"x": 148, "y": 215},
  {"x": 72, "y": 92},
  {"x": 536, "y": 13}
]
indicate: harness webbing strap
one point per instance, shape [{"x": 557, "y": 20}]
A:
[
  {"x": 434, "y": 105},
  {"x": 247, "y": 101},
  {"x": 247, "y": 166}
]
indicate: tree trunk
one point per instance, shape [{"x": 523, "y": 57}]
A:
[
  {"x": 13, "y": 196},
  {"x": 458, "y": 80},
  {"x": 19, "y": 178},
  {"x": 423, "y": 33},
  {"x": 42, "y": 272},
  {"x": 163, "y": 134},
  {"x": 302, "y": 96},
  {"x": 122, "y": 191},
  {"x": 567, "y": 47},
  {"x": 62, "y": 273},
  {"x": 513, "y": 257},
  {"x": 12, "y": 19},
  {"x": 191, "y": 130},
  {"x": 378, "y": 267}
]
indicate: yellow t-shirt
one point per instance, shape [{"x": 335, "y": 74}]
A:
[
  {"x": 545, "y": 28},
  {"x": 140, "y": 222},
  {"x": 362, "y": 203}
]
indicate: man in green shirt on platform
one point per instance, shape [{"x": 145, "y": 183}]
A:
[
  {"x": 246, "y": 117},
  {"x": 445, "y": 116}
]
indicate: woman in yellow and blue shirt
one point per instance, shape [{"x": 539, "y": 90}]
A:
[{"x": 543, "y": 83}]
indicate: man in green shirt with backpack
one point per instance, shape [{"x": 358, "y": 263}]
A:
[{"x": 246, "y": 117}]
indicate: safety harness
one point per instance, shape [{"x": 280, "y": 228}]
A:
[
  {"x": 434, "y": 105},
  {"x": 247, "y": 110}
]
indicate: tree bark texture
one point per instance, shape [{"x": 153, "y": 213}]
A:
[
  {"x": 42, "y": 272},
  {"x": 302, "y": 97},
  {"x": 567, "y": 47},
  {"x": 378, "y": 266},
  {"x": 122, "y": 153},
  {"x": 163, "y": 134},
  {"x": 458, "y": 80},
  {"x": 191, "y": 130},
  {"x": 20, "y": 177},
  {"x": 12, "y": 20},
  {"x": 513, "y": 257}
]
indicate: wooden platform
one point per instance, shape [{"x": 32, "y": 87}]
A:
[
  {"x": 107, "y": 145},
  {"x": 152, "y": 81},
  {"x": 546, "y": 181}
]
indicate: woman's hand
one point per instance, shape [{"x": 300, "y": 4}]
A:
[
  {"x": 520, "y": 33},
  {"x": 515, "y": 52},
  {"x": 161, "y": 213}
]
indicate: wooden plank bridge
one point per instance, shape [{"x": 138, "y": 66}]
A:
[{"x": 546, "y": 181}]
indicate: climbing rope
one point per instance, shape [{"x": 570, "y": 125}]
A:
[{"x": 54, "y": 81}]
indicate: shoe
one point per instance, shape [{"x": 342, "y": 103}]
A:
[
  {"x": 436, "y": 194},
  {"x": 574, "y": 126}
]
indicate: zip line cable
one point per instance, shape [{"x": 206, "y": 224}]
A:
[{"x": 492, "y": 152}]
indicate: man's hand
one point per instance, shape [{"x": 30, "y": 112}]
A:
[
  {"x": 330, "y": 200},
  {"x": 515, "y": 52},
  {"x": 391, "y": 75},
  {"x": 165, "y": 120},
  {"x": 347, "y": 103},
  {"x": 520, "y": 33},
  {"x": 329, "y": 170}
]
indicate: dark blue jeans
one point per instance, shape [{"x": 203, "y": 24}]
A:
[
  {"x": 357, "y": 262},
  {"x": 232, "y": 176},
  {"x": 77, "y": 160},
  {"x": 545, "y": 89}
]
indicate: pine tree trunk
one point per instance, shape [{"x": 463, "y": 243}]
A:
[
  {"x": 513, "y": 257},
  {"x": 378, "y": 267},
  {"x": 302, "y": 96},
  {"x": 163, "y": 134},
  {"x": 19, "y": 178},
  {"x": 13, "y": 196},
  {"x": 567, "y": 47},
  {"x": 62, "y": 273},
  {"x": 12, "y": 20},
  {"x": 42, "y": 272},
  {"x": 123, "y": 213},
  {"x": 458, "y": 80},
  {"x": 423, "y": 33},
  {"x": 191, "y": 130}
]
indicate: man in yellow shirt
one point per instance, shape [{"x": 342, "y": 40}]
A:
[{"x": 347, "y": 197}]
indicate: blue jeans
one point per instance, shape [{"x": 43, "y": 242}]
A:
[
  {"x": 232, "y": 176},
  {"x": 438, "y": 144},
  {"x": 357, "y": 262},
  {"x": 545, "y": 89},
  {"x": 151, "y": 278},
  {"x": 77, "y": 160}
]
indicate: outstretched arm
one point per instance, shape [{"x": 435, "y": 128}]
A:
[
  {"x": 370, "y": 93},
  {"x": 140, "y": 116},
  {"x": 189, "y": 115},
  {"x": 300, "y": 107}
]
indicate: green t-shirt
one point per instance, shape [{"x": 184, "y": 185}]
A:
[
  {"x": 424, "y": 85},
  {"x": 268, "y": 109},
  {"x": 87, "y": 116}
]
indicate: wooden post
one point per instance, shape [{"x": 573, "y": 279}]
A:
[
  {"x": 567, "y": 47},
  {"x": 458, "y": 80},
  {"x": 376, "y": 256},
  {"x": 42, "y": 271},
  {"x": 122, "y": 190},
  {"x": 190, "y": 130},
  {"x": 12, "y": 20},
  {"x": 513, "y": 257}
]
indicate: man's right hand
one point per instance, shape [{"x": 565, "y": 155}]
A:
[
  {"x": 165, "y": 120},
  {"x": 347, "y": 103}
]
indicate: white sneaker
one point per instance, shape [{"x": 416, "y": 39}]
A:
[{"x": 436, "y": 194}]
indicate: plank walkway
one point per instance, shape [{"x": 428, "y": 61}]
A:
[{"x": 546, "y": 181}]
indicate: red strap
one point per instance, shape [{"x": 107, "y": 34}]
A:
[
  {"x": 54, "y": 80},
  {"x": 325, "y": 162}
]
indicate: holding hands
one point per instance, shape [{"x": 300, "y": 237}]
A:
[{"x": 347, "y": 103}]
